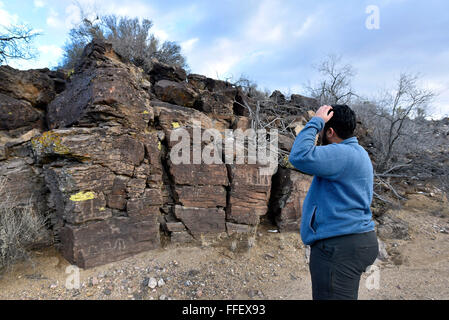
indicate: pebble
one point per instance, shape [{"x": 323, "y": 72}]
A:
[
  {"x": 162, "y": 297},
  {"x": 94, "y": 281},
  {"x": 193, "y": 273},
  {"x": 199, "y": 293},
  {"x": 107, "y": 291},
  {"x": 152, "y": 283},
  {"x": 251, "y": 293},
  {"x": 160, "y": 283},
  {"x": 188, "y": 283}
]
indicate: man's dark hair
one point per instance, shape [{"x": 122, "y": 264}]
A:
[{"x": 343, "y": 121}]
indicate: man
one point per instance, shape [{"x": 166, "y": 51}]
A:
[{"x": 336, "y": 217}]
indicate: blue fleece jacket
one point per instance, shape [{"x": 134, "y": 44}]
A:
[{"x": 339, "y": 198}]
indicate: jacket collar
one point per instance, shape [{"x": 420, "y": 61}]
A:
[{"x": 350, "y": 140}]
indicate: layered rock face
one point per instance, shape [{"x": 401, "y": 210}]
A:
[
  {"x": 23, "y": 99},
  {"x": 95, "y": 152}
]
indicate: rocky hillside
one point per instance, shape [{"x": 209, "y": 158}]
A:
[{"x": 90, "y": 150}]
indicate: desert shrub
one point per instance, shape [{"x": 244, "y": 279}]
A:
[
  {"x": 20, "y": 228},
  {"x": 130, "y": 37}
]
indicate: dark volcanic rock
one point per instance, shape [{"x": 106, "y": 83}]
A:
[
  {"x": 93, "y": 152},
  {"x": 250, "y": 192},
  {"x": 101, "y": 242},
  {"x": 175, "y": 92},
  {"x": 289, "y": 191}
]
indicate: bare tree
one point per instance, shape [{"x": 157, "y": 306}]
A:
[
  {"x": 335, "y": 87},
  {"x": 396, "y": 109},
  {"x": 16, "y": 43}
]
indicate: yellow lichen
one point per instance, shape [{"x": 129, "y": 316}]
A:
[
  {"x": 82, "y": 196},
  {"x": 145, "y": 112},
  {"x": 50, "y": 141},
  {"x": 175, "y": 125},
  {"x": 159, "y": 145},
  {"x": 70, "y": 73},
  {"x": 287, "y": 163},
  {"x": 102, "y": 209}
]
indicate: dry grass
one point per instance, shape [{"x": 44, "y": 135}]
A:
[{"x": 20, "y": 228}]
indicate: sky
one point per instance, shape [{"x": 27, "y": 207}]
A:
[{"x": 276, "y": 43}]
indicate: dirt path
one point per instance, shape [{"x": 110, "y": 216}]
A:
[{"x": 275, "y": 268}]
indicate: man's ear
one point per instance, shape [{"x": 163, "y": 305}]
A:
[{"x": 330, "y": 133}]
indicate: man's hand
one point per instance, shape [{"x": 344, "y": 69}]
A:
[{"x": 323, "y": 113}]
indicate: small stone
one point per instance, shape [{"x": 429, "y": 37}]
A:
[
  {"x": 269, "y": 256},
  {"x": 152, "y": 283},
  {"x": 145, "y": 281},
  {"x": 161, "y": 282},
  {"x": 162, "y": 297},
  {"x": 188, "y": 283},
  {"x": 53, "y": 286},
  {"x": 199, "y": 293},
  {"x": 107, "y": 291},
  {"x": 94, "y": 281},
  {"x": 252, "y": 293},
  {"x": 193, "y": 273}
]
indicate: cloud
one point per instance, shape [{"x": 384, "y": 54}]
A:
[
  {"x": 48, "y": 57},
  {"x": 39, "y": 3},
  {"x": 53, "y": 19},
  {"x": 304, "y": 28},
  {"x": 160, "y": 34},
  {"x": 188, "y": 45},
  {"x": 7, "y": 19}
]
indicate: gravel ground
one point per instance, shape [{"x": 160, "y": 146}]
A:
[{"x": 275, "y": 268}]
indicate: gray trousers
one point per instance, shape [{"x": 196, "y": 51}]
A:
[{"x": 336, "y": 265}]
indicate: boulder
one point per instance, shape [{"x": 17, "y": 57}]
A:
[
  {"x": 249, "y": 194},
  {"x": 162, "y": 71},
  {"x": 202, "y": 220},
  {"x": 33, "y": 86},
  {"x": 103, "y": 89},
  {"x": 303, "y": 102},
  {"x": 175, "y": 92},
  {"x": 290, "y": 188},
  {"x": 101, "y": 242}
]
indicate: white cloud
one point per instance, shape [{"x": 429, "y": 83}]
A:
[
  {"x": 39, "y": 3},
  {"x": 305, "y": 27},
  {"x": 53, "y": 19},
  {"x": 218, "y": 60},
  {"x": 6, "y": 18},
  {"x": 188, "y": 45},
  {"x": 162, "y": 35},
  {"x": 266, "y": 24},
  {"x": 73, "y": 16},
  {"x": 48, "y": 57}
]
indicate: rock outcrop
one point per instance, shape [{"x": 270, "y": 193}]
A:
[{"x": 93, "y": 150}]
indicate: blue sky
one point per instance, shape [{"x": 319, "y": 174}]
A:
[{"x": 273, "y": 42}]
